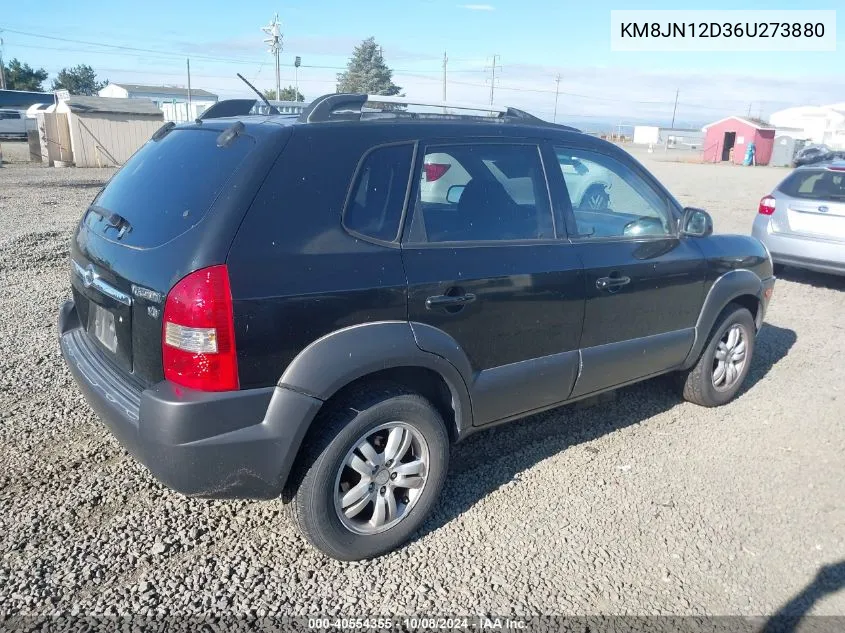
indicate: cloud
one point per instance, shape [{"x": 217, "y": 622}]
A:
[{"x": 477, "y": 7}]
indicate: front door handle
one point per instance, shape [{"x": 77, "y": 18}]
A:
[
  {"x": 609, "y": 283},
  {"x": 448, "y": 301}
]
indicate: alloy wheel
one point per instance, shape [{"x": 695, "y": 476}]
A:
[
  {"x": 381, "y": 478},
  {"x": 729, "y": 359}
]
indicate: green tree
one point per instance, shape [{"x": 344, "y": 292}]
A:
[
  {"x": 23, "y": 77},
  {"x": 288, "y": 94},
  {"x": 366, "y": 72},
  {"x": 79, "y": 80}
]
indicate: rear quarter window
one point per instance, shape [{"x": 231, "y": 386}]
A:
[
  {"x": 377, "y": 196},
  {"x": 168, "y": 186}
]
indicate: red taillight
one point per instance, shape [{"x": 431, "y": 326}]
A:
[
  {"x": 433, "y": 171},
  {"x": 767, "y": 206},
  {"x": 198, "y": 334}
]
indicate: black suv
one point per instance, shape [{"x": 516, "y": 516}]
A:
[{"x": 271, "y": 305}]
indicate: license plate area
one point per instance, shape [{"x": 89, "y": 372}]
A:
[
  {"x": 102, "y": 327},
  {"x": 818, "y": 224}
]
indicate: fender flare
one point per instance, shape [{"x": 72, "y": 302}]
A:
[
  {"x": 725, "y": 289},
  {"x": 336, "y": 359}
]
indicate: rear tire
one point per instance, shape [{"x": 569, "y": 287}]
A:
[
  {"x": 353, "y": 516},
  {"x": 724, "y": 363}
]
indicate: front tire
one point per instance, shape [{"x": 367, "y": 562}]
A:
[
  {"x": 371, "y": 474},
  {"x": 720, "y": 371}
]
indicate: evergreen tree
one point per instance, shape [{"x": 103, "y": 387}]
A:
[
  {"x": 21, "y": 76},
  {"x": 367, "y": 73},
  {"x": 79, "y": 80}
]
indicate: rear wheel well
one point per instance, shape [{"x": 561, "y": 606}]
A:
[{"x": 426, "y": 382}]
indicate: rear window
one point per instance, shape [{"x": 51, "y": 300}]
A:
[
  {"x": 166, "y": 187},
  {"x": 815, "y": 184}
]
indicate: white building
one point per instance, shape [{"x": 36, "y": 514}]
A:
[
  {"x": 172, "y": 101},
  {"x": 684, "y": 138},
  {"x": 817, "y": 124}
]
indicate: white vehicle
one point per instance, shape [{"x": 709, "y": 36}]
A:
[{"x": 12, "y": 124}]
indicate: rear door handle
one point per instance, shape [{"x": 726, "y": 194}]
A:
[
  {"x": 606, "y": 283},
  {"x": 446, "y": 301}
]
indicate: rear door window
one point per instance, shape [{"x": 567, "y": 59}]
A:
[
  {"x": 481, "y": 192},
  {"x": 816, "y": 184},
  {"x": 167, "y": 187},
  {"x": 378, "y": 194}
]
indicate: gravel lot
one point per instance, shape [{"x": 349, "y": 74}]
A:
[{"x": 640, "y": 504}]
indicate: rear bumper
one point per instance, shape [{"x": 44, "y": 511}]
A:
[
  {"x": 228, "y": 444},
  {"x": 826, "y": 256}
]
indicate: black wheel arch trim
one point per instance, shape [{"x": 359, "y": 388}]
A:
[
  {"x": 335, "y": 360},
  {"x": 729, "y": 286}
]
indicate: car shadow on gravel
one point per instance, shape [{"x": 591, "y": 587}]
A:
[
  {"x": 812, "y": 278},
  {"x": 496, "y": 457},
  {"x": 828, "y": 580}
]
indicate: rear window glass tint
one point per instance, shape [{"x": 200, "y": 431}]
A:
[
  {"x": 378, "y": 193},
  {"x": 168, "y": 186},
  {"x": 815, "y": 184}
]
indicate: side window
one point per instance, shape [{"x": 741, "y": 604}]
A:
[
  {"x": 481, "y": 192},
  {"x": 609, "y": 199},
  {"x": 378, "y": 194}
]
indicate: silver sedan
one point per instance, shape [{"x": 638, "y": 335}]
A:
[{"x": 802, "y": 222}]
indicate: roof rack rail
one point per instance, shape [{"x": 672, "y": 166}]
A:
[{"x": 352, "y": 107}]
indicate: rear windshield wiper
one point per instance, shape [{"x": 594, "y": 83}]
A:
[{"x": 114, "y": 220}]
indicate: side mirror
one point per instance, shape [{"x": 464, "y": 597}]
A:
[
  {"x": 696, "y": 223},
  {"x": 453, "y": 195}
]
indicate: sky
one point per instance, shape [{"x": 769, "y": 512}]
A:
[{"x": 534, "y": 40}]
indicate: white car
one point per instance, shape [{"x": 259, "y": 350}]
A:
[
  {"x": 12, "y": 124},
  {"x": 588, "y": 185}
]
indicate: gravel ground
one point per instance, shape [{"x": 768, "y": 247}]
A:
[{"x": 640, "y": 504}]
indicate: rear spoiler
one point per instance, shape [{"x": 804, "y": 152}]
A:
[{"x": 227, "y": 108}]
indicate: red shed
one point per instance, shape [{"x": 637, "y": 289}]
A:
[{"x": 736, "y": 132}]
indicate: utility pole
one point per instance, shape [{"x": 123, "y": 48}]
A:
[
  {"x": 297, "y": 62},
  {"x": 750, "y": 103},
  {"x": 445, "y": 59},
  {"x": 675, "y": 109},
  {"x": 190, "y": 104},
  {"x": 2, "y": 67},
  {"x": 557, "y": 94},
  {"x": 275, "y": 43},
  {"x": 493, "y": 77}
]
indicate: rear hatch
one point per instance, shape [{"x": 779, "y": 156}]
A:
[
  {"x": 173, "y": 208},
  {"x": 811, "y": 203}
]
